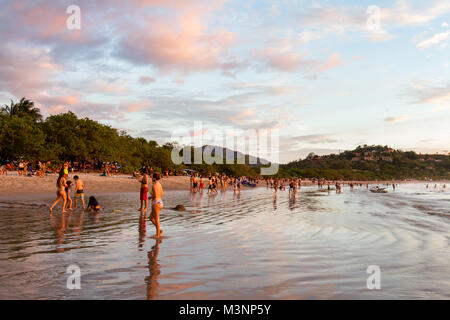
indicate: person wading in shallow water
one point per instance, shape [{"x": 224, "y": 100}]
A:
[
  {"x": 61, "y": 191},
  {"x": 144, "y": 190},
  {"x": 157, "y": 204}
]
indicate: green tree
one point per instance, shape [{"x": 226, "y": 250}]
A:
[{"x": 23, "y": 108}]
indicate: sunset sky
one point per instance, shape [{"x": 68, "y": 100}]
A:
[{"x": 313, "y": 69}]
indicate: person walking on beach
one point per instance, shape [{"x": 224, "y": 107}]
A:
[
  {"x": 79, "y": 191},
  {"x": 144, "y": 191},
  {"x": 60, "y": 192},
  {"x": 157, "y": 203}
]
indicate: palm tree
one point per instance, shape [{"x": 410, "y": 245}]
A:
[
  {"x": 9, "y": 110},
  {"x": 22, "y": 108}
]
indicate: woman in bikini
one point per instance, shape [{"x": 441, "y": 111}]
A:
[
  {"x": 60, "y": 192},
  {"x": 157, "y": 204}
]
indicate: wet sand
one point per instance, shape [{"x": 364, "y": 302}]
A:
[
  {"x": 13, "y": 186},
  {"x": 252, "y": 245}
]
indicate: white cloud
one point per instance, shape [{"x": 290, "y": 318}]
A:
[{"x": 434, "y": 40}]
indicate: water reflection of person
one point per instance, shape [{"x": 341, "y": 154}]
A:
[
  {"x": 275, "y": 202},
  {"x": 292, "y": 202},
  {"x": 77, "y": 225},
  {"x": 154, "y": 271},
  {"x": 59, "y": 229},
  {"x": 142, "y": 228}
]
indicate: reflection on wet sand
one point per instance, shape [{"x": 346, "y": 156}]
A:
[
  {"x": 59, "y": 227},
  {"x": 153, "y": 270},
  {"x": 253, "y": 245},
  {"x": 142, "y": 229}
]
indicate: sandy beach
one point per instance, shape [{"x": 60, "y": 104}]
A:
[{"x": 13, "y": 186}]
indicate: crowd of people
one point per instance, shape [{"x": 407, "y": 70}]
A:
[
  {"x": 70, "y": 193},
  {"x": 220, "y": 182},
  {"x": 27, "y": 168},
  {"x": 41, "y": 168}
]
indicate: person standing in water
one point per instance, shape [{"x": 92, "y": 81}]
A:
[
  {"x": 144, "y": 191},
  {"x": 61, "y": 191},
  {"x": 79, "y": 191},
  {"x": 157, "y": 204}
]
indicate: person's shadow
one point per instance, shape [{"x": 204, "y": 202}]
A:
[{"x": 154, "y": 271}]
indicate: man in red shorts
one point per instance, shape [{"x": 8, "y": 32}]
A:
[{"x": 144, "y": 190}]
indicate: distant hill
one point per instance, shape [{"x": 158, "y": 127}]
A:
[
  {"x": 249, "y": 159},
  {"x": 371, "y": 162}
]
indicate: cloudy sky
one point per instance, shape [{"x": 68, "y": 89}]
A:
[{"x": 329, "y": 75}]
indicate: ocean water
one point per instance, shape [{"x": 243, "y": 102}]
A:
[{"x": 250, "y": 246}]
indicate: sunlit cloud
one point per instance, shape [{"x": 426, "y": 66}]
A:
[
  {"x": 436, "y": 39},
  {"x": 396, "y": 119}
]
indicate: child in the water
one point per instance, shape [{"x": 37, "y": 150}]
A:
[
  {"x": 93, "y": 204},
  {"x": 69, "y": 199}
]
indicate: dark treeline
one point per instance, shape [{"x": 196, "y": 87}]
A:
[{"x": 24, "y": 134}]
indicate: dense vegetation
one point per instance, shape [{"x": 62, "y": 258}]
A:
[
  {"x": 24, "y": 134},
  {"x": 371, "y": 163}
]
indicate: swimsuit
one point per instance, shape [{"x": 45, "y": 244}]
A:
[
  {"x": 144, "y": 191},
  {"x": 79, "y": 193},
  {"x": 157, "y": 202}
]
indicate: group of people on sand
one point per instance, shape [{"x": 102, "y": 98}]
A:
[
  {"x": 156, "y": 194},
  {"x": 25, "y": 168},
  {"x": 64, "y": 189}
]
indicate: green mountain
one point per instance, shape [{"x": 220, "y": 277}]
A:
[{"x": 370, "y": 163}]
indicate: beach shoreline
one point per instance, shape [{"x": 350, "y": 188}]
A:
[{"x": 13, "y": 186}]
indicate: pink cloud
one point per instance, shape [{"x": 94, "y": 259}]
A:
[
  {"x": 181, "y": 40},
  {"x": 334, "y": 61},
  {"x": 138, "y": 106},
  {"x": 146, "y": 80},
  {"x": 285, "y": 61}
]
